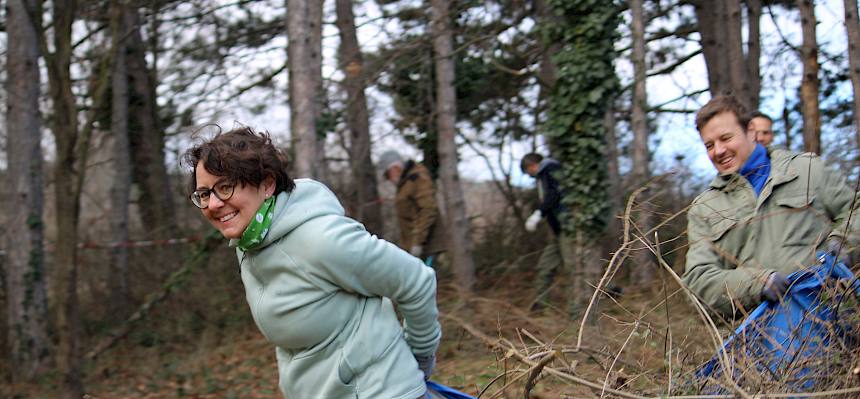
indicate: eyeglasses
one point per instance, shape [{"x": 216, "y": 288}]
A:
[{"x": 222, "y": 190}]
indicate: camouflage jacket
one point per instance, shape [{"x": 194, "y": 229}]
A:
[{"x": 417, "y": 210}]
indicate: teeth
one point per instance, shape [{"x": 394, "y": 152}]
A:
[{"x": 228, "y": 216}]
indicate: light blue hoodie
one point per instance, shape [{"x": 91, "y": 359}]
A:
[{"x": 321, "y": 289}]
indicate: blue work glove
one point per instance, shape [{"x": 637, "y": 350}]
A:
[
  {"x": 426, "y": 364},
  {"x": 775, "y": 287}
]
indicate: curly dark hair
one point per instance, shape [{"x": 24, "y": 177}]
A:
[{"x": 243, "y": 156}]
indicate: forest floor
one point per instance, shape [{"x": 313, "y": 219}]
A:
[{"x": 484, "y": 342}]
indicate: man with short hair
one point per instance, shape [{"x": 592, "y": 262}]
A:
[
  {"x": 558, "y": 253},
  {"x": 415, "y": 205},
  {"x": 763, "y": 216},
  {"x": 762, "y": 126}
]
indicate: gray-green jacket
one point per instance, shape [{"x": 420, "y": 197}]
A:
[
  {"x": 737, "y": 240},
  {"x": 321, "y": 289}
]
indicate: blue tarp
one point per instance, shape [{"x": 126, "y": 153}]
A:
[
  {"x": 436, "y": 390},
  {"x": 786, "y": 339}
]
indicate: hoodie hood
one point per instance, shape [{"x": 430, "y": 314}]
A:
[
  {"x": 309, "y": 199},
  {"x": 546, "y": 163}
]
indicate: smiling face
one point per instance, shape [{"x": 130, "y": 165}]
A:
[
  {"x": 232, "y": 216},
  {"x": 763, "y": 129},
  {"x": 727, "y": 142}
]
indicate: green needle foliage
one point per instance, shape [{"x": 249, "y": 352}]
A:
[{"x": 584, "y": 90}]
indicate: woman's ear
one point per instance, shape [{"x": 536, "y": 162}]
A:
[{"x": 269, "y": 185}]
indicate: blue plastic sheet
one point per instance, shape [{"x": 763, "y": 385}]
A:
[
  {"x": 436, "y": 390},
  {"x": 786, "y": 340}
]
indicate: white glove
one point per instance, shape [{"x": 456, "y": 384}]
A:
[
  {"x": 533, "y": 220},
  {"x": 416, "y": 250}
]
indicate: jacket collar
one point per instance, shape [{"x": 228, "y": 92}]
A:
[{"x": 780, "y": 172}]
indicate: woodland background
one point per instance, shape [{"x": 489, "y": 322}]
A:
[{"x": 114, "y": 286}]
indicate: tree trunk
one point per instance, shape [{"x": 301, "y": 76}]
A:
[
  {"x": 121, "y": 188},
  {"x": 363, "y": 173},
  {"x": 26, "y": 296},
  {"x": 616, "y": 189},
  {"x": 459, "y": 239},
  {"x": 786, "y": 121},
  {"x": 68, "y": 175},
  {"x": 711, "y": 19},
  {"x": 809, "y": 84},
  {"x": 719, "y": 23},
  {"x": 735, "y": 51},
  {"x": 146, "y": 138},
  {"x": 548, "y": 71},
  {"x": 643, "y": 265},
  {"x": 753, "y": 72},
  {"x": 305, "y": 78},
  {"x": 852, "y": 30}
]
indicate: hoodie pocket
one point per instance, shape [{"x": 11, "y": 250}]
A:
[
  {"x": 314, "y": 376},
  {"x": 376, "y": 333}
]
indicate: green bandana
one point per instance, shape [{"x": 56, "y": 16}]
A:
[{"x": 259, "y": 226}]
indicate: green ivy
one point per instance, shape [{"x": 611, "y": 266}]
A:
[{"x": 585, "y": 87}]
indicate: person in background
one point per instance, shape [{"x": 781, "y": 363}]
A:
[
  {"x": 421, "y": 227},
  {"x": 558, "y": 252},
  {"x": 320, "y": 287},
  {"x": 763, "y": 216},
  {"x": 762, "y": 126}
]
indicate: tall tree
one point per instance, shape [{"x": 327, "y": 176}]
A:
[
  {"x": 643, "y": 267},
  {"x": 753, "y": 69},
  {"x": 146, "y": 136},
  {"x": 357, "y": 121},
  {"x": 809, "y": 85},
  {"x": 852, "y": 30},
  {"x": 26, "y": 299},
  {"x": 585, "y": 87},
  {"x": 121, "y": 188},
  {"x": 68, "y": 175},
  {"x": 720, "y": 26},
  {"x": 304, "y": 31},
  {"x": 459, "y": 237}
]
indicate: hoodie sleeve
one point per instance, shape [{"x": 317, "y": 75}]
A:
[
  {"x": 344, "y": 253},
  {"x": 552, "y": 191}
]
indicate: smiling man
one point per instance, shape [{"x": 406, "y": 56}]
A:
[
  {"x": 763, "y": 216},
  {"x": 762, "y": 126}
]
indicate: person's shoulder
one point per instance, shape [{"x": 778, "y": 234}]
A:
[{"x": 419, "y": 171}]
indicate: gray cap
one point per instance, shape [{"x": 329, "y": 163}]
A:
[{"x": 388, "y": 159}]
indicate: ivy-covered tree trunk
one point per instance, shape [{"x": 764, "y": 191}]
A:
[
  {"x": 586, "y": 84},
  {"x": 26, "y": 294},
  {"x": 368, "y": 207},
  {"x": 459, "y": 237},
  {"x": 810, "y": 83}
]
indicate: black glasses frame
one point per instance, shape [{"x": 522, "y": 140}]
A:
[{"x": 196, "y": 197}]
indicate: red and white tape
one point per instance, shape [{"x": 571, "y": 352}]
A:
[{"x": 138, "y": 244}]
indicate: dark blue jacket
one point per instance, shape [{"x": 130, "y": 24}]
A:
[{"x": 550, "y": 193}]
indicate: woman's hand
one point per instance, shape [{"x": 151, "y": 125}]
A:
[{"x": 426, "y": 364}]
